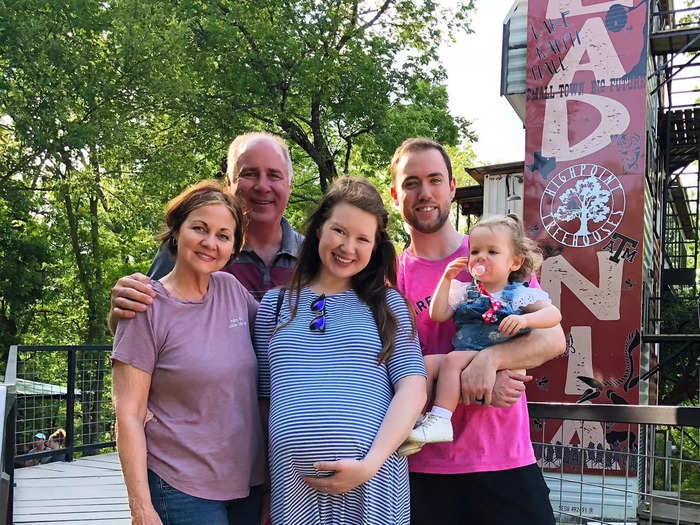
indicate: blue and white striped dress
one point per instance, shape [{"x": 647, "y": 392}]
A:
[{"x": 328, "y": 397}]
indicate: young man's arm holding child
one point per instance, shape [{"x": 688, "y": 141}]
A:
[{"x": 528, "y": 351}]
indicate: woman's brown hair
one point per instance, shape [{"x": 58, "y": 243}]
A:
[
  {"x": 197, "y": 196},
  {"x": 372, "y": 283},
  {"x": 59, "y": 436}
]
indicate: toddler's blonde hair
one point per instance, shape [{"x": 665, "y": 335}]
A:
[{"x": 523, "y": 246}]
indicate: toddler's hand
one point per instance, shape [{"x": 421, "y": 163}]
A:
[
  {"x": 454, "y": 268},
  {"x": 512, "y": 324}
]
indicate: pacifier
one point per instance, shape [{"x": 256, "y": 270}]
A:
[{"x": 478, "y": 270}]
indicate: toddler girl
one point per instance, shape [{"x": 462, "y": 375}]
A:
[{"x": 496, "y": 306}]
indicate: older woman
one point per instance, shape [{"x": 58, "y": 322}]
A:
[
  {"x": 340, "y": 361},
  {"x": 188, "y": 363}
]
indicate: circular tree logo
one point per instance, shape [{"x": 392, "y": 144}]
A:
[{"x": 582, "y": 205}]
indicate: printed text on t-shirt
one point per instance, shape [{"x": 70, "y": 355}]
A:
[{"x": 423, "y": 304}]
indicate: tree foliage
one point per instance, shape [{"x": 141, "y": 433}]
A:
[
  {"x": 323, "y": 74},
  {"x": 108, "y": 109},
  {"x": 679, "y": 362},
  {"x": 23, "y": 250}
]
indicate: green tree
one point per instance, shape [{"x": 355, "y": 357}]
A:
[
  {"x": 23, "y": 252},
  {"x": 323, "y": 74},
  {"x": 113, "y": 107},
  {"x": 77, "y": 105},
  {"x": 78, "y": 109},
  {"x": 679, "y": 362}
]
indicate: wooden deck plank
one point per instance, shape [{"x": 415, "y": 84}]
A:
[
  {"x": 89, "y": 462},
  {"x": 74, "y": 472},
  {"x": 70, "y": 472},
  {"x": 63, "y": 466},
  {"x": 78, "y": 482},
  {"x": 66, "y": 501},
  {"x": 86, "y": 491},
  {"x": 35, "y": 493},
  {"x": 111, "y": 457},
  {"x": 62, "y": 509},
  {"x": 106, "y": 521},
  {"x": 74, "y": 516}
]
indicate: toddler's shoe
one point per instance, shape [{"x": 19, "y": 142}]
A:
[
  {"x": 408, "y": 448},
  {"x": 433, "y": 429}
]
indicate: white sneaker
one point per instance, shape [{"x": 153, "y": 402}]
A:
[
  {"x": 408, "y": 448},
  {"x": 433, "y": 429}
]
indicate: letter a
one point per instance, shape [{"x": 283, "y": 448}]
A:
[{"x": 614, "y": 117}]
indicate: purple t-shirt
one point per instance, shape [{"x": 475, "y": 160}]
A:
[{"x": 205, "y": 438}]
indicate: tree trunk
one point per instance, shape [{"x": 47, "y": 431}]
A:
[
  {"x": 90, "y": 277},
  {"x": 326, "y": 170},
  {"x": 317, "y": 150},
  {"x": 583, "y": 230}
]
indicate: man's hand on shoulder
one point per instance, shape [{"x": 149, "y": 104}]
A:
[{"x": 131, "y": 294}]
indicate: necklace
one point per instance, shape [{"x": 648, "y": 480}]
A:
[{"x": 177, "y": 293}]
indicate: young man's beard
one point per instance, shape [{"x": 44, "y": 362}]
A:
[{"x": 432, "y": 227}]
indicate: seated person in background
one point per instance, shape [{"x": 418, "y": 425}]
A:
[
  {"x": 55, "y": 442},
  {"x": 39, "y": 446}
]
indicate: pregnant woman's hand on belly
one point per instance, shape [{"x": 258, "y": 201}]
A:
[{"x": 346, "y": 475}]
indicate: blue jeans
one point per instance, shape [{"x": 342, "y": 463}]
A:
[{"x": 177, "y": 508}]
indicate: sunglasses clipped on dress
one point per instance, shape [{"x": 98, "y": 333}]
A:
[{"x": 318, "y": 307}]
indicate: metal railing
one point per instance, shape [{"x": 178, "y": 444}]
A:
[
  {"x": 613, "y": 464},
  {"x": 670, "y": 19},
  {"x": 604, "y": 464},
  {"x": 7, "y": 437},
  {"x": 65, "y": 387}
]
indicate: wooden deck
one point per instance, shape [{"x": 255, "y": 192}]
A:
[{"x": 88, "y": 490}]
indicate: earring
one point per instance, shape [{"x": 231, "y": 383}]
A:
[{"x": 173, "y": 242}]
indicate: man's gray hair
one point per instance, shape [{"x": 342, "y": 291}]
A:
[{"x": 238, "y": 144}]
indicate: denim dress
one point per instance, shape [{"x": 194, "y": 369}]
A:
[{"x": 473, "y": 333}]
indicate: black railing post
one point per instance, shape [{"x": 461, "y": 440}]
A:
[
  {"x": 70, "y": 408},
  {"x": 10, "y": 448}
]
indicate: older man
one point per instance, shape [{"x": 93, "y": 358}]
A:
[
  {"x": 259, "y": 171},
  {"x": 488, "y": 473}
]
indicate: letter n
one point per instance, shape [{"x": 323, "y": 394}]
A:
[{"x": 602, "y": 300}]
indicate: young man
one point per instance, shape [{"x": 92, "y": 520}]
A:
[
  {"x": 488, "y": 473},
  {"x": 259, "y": 171}
]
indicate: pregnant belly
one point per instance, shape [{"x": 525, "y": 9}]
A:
[{"x": 301, "y": 437}]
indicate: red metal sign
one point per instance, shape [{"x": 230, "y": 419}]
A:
[{"x": 584, "y": 202}]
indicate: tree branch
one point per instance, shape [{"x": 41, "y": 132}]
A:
[
  {"x": 354, "y": 31},
  {"x": 244, "y": 31}
]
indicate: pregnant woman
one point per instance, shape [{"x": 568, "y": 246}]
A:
[{"x": 339, "y": 358}]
